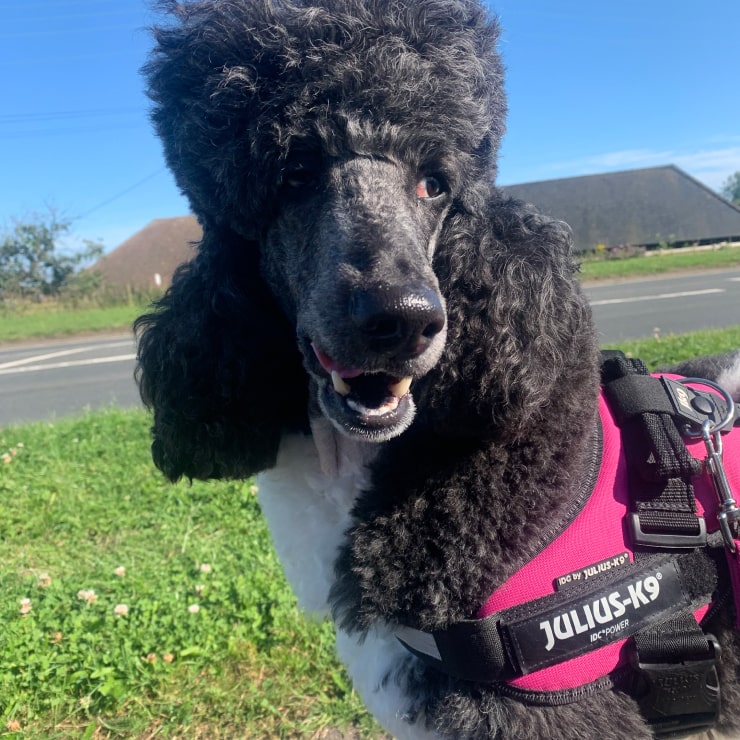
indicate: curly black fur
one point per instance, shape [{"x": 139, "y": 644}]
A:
[
  {"x": 205, "y": 363},
  {"x": 299, "y": 130},
  {"x": 489, "y": 429},
  {"x": 241, "y": 87}
]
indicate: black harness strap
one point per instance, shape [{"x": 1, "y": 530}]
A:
[
  {"x": 675, "y": 681},
  {"x": 664, "y": 514},
  {"x": 566, "y": 624}
]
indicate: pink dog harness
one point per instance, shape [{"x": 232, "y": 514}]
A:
[{"x": 617, "y": 599}]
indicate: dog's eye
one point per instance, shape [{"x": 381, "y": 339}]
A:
[
  {"x": 299, "y": 177},
  {"x": 301, "y": 171},
  {"x": 429, "y": 187}
]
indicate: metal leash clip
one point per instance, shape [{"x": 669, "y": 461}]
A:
[{"x": 728, "y": 513}]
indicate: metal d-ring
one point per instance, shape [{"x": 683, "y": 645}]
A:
[
  {"x": 728, "y": 513},
  {"x": 729, "y": 418}
]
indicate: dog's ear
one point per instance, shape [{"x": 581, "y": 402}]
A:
[
  {"x": 218, "y": 365},
  {"x": 520, "y": 340}
]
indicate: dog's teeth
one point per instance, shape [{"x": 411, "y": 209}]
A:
[
  {"x": 400, "y": 389},
  {"x": 339, "y": 385},
  {"x": 388, "y": 407}
]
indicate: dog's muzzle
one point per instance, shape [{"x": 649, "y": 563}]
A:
[{"x": 399, "y": 333}]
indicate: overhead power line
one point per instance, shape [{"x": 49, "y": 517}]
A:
[
  {"x": 120, "y": 194},
  {"x": 42, "y": 124},
  {"x": 39, "y": 116},
  {"x": 74, "y": 16},
  {"x": 60, "y": 4}
]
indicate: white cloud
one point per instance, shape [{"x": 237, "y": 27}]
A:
[
  {"x": 712, "y": 166},
  {"x": 626, "y": 159}
]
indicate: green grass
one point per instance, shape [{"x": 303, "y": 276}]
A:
[
  {"x": 80, "y": 499},
  {"x": 673, "y": 348},
  {"x": 659, "y": 263},
  {"x": 45, "y": 321}
]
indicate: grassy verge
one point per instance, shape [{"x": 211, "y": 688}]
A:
[
  {"x": 135, "y": 608},
  {"x": 676, "y": 347},
  {"x": 659, "y": 263},
  {"x": 29, "y": 322}
]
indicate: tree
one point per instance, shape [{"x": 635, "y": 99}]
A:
[
  {"x": 31, "y": 263},
  {"x": 731, "y": 188}
]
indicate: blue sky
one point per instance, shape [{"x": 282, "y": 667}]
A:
[{"x": 592, "y": 87}]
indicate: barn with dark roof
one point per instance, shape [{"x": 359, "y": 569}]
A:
[{"x": 643, "y": 207}]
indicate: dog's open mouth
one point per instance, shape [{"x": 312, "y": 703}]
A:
[{"x": 373, "y": 405}]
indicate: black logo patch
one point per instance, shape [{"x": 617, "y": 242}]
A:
[{"x": 596, "y": 617}]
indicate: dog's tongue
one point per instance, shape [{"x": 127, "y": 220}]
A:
[
  {"x": 333, "y": 367},
  {"x": 397, "y": 388}
]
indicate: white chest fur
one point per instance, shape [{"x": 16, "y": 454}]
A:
[{"x": 307, "y": 498}]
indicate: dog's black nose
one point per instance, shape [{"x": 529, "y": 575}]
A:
[{"x": 397, "y": 320}]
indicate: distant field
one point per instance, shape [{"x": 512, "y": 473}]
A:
[
  {"x": 659, "y": 263},
  {"x": 41, "y": 322}
]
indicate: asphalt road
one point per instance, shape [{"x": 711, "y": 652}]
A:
[
  {"x": 41, "y": 381},
  {"x": 48, "y": 380},
  {"x": 667, "y": 305}
]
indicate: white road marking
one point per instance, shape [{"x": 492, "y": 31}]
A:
[
  {"x": 61, "y": 353},
  {"x": 660, "y": 296},
  {"x": 60, "y": 365}
]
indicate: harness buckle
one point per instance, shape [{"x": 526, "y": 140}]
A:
[
  {"x": 665, "y": 540},
  {"x": 681, "y": 697}
]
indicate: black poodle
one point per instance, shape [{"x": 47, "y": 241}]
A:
[{"x": 400, "y": 350}]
